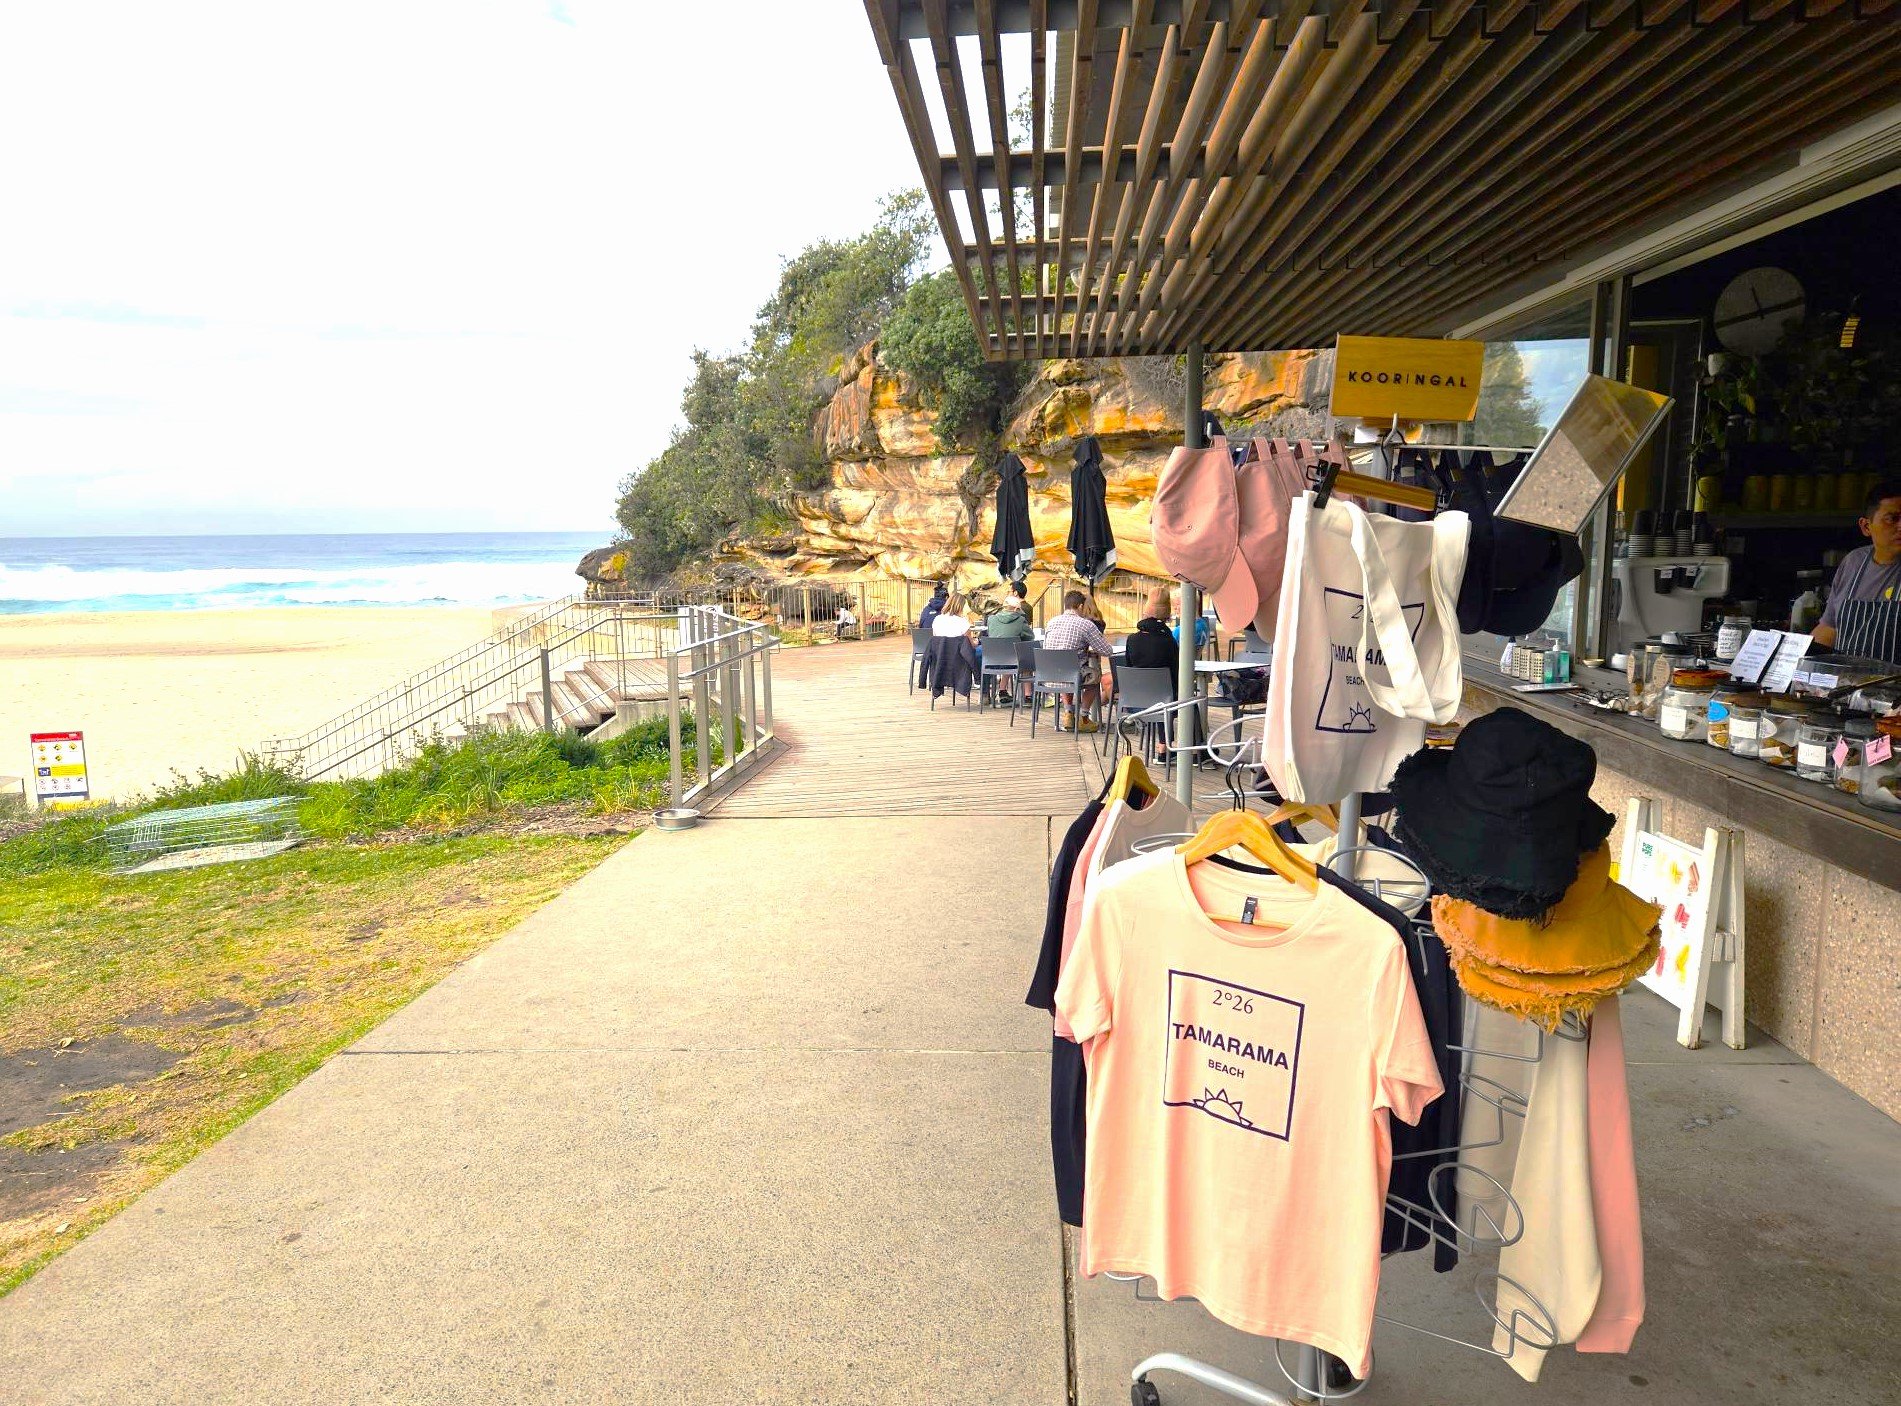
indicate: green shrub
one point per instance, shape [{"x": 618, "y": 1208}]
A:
[{"x": 444, "y": 783}]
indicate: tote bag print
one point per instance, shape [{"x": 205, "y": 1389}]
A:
[
  {"x": 1345, "y": 704},
  {"x": 1367, "y": 649}
]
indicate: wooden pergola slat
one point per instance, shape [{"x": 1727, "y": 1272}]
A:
[{"x": 1246, "y": 174}]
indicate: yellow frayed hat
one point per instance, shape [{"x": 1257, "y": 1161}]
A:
[
  {"x": 1598, "y": 926},
  {"x": 1545, "y": 998}
]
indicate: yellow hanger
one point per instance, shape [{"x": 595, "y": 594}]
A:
[
  {"x": 1298, "y": 811},
  {"x": 1226, "y": 829},
  {"x": 1132, "y": 778}
]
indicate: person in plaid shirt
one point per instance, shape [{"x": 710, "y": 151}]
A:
[{"x": 1072, "y": 630}]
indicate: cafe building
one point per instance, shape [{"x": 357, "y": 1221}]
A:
[{"x": 1698, "y": 199}]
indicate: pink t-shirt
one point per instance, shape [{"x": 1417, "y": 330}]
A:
[
  {"x": 1073, "y": 904},
  {"x": 1240, "y": 1079},
  {"x": 1614, "y": 1203}
]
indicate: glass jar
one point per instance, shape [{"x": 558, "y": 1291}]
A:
[
  {"x": 1684, "y": 711},
  {"x": 1730, "y": 637},
  {"x": 1748, "y": 720},
  {"x": 1881, "y": 780},
  {"x": 1857, "y": 730},
  {"x": 1716, "y": 732},
  {"x": 1815, "y": 747},
  {"x": 1782, "y": 723}
]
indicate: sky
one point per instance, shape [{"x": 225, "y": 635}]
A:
[{"x": 409, "y": 265}]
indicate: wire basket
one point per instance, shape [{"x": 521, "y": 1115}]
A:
[{"x": 220, "y": 834}]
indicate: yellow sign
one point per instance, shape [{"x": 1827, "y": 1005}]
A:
[{"x": 1414, "y": 378}]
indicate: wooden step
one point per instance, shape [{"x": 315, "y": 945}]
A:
[
  {"x": 568, "y": 707},
  {"x": 603, "y": 677},
  {"x": 594, "y": 699},
  {"x": 521, "y": 719}
]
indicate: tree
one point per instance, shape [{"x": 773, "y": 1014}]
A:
[
  {"x": 1508, "y": 411},
  {"x": 746, "y": 444},
  {"x": 929, "y": 338}
]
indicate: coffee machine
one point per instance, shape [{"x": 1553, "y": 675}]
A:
[{"x": 1662, "y": 595}]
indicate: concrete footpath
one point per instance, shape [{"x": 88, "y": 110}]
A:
[
  {"x": 755, "y": 1113},
  {"x": 752, "y": 1113}
]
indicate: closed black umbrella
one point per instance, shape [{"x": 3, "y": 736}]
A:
[
  {"x": 1091, "y": 541},
  {"x": 1013, "y": 546}
]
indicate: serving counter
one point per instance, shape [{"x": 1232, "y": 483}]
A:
[{"x": 1822, "y": 890}]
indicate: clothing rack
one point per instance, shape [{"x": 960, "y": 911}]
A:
[{"x": 1534, "y": 1325}]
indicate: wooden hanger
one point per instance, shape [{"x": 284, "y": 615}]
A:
[
  {"x": 1335, "y": 477},
  {"x": 1299, "y": 811},
  {"x": 1227, "y": 829},
  {"x": 1132, "y": 779}
]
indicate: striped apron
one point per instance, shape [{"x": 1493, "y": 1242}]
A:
[{"x": 1869, "y": 628}]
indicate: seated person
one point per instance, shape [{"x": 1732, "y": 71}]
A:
[
  {"x": 934, "y": 606},
  {"x": 1153, "y": 644},
  {"x": 1202, "y": 631},
  {"x": 951, "y": 622},
  {"x": 847, "y": 622},
  {"x": 1010, "y": 623},
  {"x": 1075, "y": 631}
]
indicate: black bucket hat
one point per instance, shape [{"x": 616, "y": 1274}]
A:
[{"x": 1502, "y": 817}]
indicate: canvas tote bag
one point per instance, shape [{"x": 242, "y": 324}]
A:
[{"x": 1367, "y": 647}]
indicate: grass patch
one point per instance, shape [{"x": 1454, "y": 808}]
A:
[
  {"x": 144, "y": 1016},
  {"x": 443, "y": 786},
  {"x": 246, "y": 977}
]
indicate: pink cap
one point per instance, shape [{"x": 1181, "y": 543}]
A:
[
  {"x": 1195, "y": 522},
  {"x": 1269, "y": 484}
]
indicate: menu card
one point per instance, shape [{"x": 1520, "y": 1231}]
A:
[
  {"x": 1754, "y": 656},
  {"x": 1769, "y": 659},
  {"x": 1781, "y": 671}
]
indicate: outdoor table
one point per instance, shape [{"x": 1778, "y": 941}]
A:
[{"x": 1226, "y": 666}]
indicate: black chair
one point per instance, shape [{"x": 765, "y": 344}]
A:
[
  {"x": 999, "y": 667},
  {"x": 920, "y": 644},
  {"x": 1142, "y": 696},
  {"x": 1058, "y": 672},
  {"x": 1026, "y": 677},
  {"x": 940, "y": 660},
  {"x": 1224, "y": 697}
]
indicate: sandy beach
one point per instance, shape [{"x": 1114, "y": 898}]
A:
[{"x": 156, "y": 691}]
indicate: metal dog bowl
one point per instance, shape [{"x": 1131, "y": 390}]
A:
[{"x": 676, "y": 818}]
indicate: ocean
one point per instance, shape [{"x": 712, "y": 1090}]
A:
[{"x": 42, "y": 574}]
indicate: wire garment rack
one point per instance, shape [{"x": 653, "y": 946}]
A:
[{"x": 1496, "y": 1220}]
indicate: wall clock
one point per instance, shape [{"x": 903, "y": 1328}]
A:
[{"x": 1757, "y": 307}]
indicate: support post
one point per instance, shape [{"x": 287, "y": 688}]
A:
[
  {"x": 547, "y": 693},
  {"x": 1188, "y": 720},
  {"x": 673, "y": 727},
  {"x": 749, "y": 727}
]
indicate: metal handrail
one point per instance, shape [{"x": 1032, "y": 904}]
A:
[
  {"x": 729, "y": 671},
  {"x": 456, "y": 691}
]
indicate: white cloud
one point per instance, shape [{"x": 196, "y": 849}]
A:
[{"x": 405, "y": 264}]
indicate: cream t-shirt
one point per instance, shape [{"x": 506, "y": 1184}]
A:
[{"x": 1240, "y": 1078}]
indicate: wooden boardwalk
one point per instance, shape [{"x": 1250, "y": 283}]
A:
[{"x": 857, "y": 742}]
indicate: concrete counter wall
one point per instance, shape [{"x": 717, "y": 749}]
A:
[{"x": 1822, "y": 956}]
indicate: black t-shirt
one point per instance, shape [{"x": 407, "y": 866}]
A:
[{"x": 1049, "y": 956}]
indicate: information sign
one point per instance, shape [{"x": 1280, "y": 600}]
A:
[{"x": 59, "y": 766}]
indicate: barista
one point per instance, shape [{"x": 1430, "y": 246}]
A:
[{"x": 1863, "y": 614}]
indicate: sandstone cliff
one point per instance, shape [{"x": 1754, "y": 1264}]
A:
[{"x": 897, "y": 506}]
